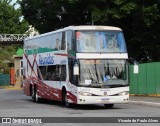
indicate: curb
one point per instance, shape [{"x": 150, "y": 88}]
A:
[
  {"x": 145, "y": 95},
  {"x": 11, "y": 88},
  {"x": 15, "y": 89},
  {"x": 155, "y": 104}
]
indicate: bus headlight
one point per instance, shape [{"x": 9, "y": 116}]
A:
[
  {"x": 84, "y": 93},
  {"x": 123, "y": 93}
]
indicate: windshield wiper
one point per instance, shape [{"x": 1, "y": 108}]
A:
[
  {"x": 114, "y": 85},
  {"x": 94, "y": 85}
]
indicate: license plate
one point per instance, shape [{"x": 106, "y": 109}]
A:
[{"x": 104, "y": 100}]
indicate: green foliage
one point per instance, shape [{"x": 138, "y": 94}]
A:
[
  {"x": 151, "y": 14},
  {"x": 139, "y": 19},
  {"x": 6, "y": 56},
  {"x": 10, "y": 22},
  {"x": 52, "y": 14}
]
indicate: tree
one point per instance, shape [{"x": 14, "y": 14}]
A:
[
  {"x": 48, "y": 15},
  {"x": 139, "y": 19},
  {"x": 10, "y": 19},
  {"x": 6, "y": 56},
  {"x": 10, "y": 23}
]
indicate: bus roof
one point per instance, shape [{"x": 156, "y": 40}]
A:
[
  {"x": 90, "y": 27},
  {"x": 84, "y": 27}
]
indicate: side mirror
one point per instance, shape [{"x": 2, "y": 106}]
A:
[{"x": 76, "y": 69}]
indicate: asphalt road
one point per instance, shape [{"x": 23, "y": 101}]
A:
[{"x": 14, "y": 103}]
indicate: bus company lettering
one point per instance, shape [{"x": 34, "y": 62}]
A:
[{"x": 48, "y": 60}]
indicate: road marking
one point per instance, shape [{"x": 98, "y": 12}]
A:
[{"x": 145, "y": 103}]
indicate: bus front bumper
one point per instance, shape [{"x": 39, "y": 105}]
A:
[{"x": 102, "y": 99}]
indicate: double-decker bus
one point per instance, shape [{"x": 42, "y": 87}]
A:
[{"x": 77, "y": 65}]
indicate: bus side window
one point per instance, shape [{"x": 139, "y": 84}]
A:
[
  {"x": 41, "y": 72},
  {"x": 50, "y": 72},
  {"x": 70, "y": 40},
  {"x": 57, "y": 73},
  {"x": 63, "y": 46},
  {"x": 63, "y": 73}
]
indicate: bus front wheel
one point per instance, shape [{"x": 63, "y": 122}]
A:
[{"x": 65, "y": 100}]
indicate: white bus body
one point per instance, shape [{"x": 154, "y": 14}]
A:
[{"x": 77, "y": 64}]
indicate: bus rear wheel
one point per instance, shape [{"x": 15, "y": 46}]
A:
[
  {"x": 35, "y": 96},
  {"x": 108, "y": 105},
  {"x": 32, "y": 94}
]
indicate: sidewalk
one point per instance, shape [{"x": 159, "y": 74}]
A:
[
  {"x": 11, "y": 87},
  {"x": 145, "y": 100}
]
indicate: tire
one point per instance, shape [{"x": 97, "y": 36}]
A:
[
  {"x": 108, "y": 106},
  {"x": 32, "y": 94},
  {"x": 35, "y": 96},
  {"x": 65, "y": 100}
]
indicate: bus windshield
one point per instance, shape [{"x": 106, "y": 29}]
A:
[
  {"x": 103, "y": 72},
  {"x": 100, "y": 41}
]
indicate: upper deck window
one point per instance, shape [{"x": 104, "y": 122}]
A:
[{"x": 100, "y": 41}]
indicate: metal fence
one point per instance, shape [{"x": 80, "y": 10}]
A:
[
  {"x": 13, "y": 37},
  {"x": 4, "y": 79},
  {"x": 147, "y": 81}
]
